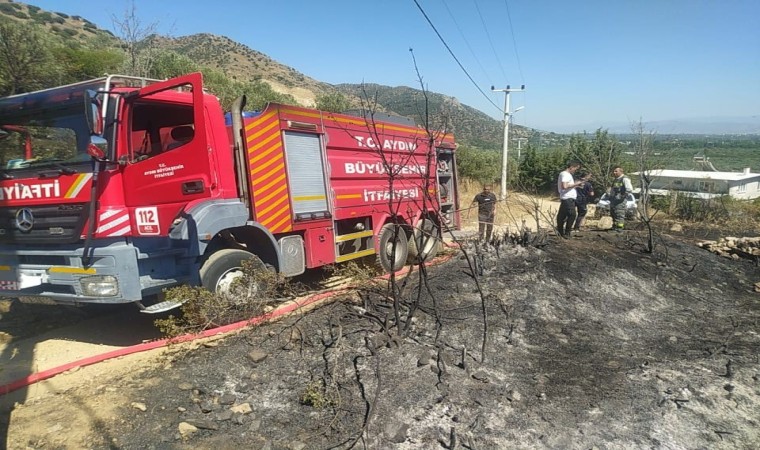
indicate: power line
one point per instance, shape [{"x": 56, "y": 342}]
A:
[
  {"x": 461, "y": 33},
  {"x": 454, "y": 56},
  {"x": 490, "y": 41},
  {"x": 514, "y": 41}
]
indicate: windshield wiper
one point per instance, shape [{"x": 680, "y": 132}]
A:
[{"x": 59, "y": 168}]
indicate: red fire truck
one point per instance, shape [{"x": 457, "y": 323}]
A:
[{"x": 116, "y": 188}]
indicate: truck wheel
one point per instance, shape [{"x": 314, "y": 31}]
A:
[
  {"x": 223, "y": 267},
  {"x": 392, "y": 235},
  {"x": 427, "y": 238}
]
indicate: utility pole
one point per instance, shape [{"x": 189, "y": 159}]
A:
[
  {"x": 519, "y": 147},
  {"x": 505, "y": 151}
]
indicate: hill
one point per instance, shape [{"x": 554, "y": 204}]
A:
[
  {"x": 242, "y": 63},
  {"x": 72, "y": 28}
]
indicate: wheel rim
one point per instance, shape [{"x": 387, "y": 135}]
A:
[
  {"x": 389, "y": 251},
  {"x": 226, "y": 281},
  {"x": 428, "y": 238}
]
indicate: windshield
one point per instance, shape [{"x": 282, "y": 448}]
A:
[
  {"x": 43, "y": 137},
  {"x": 45, "y": 129}
]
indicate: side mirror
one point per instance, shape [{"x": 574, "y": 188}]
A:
[
  {"x": 97, "y": 148},
  {"x": 92, "y": 108}
]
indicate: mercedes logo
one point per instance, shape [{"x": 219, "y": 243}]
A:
[{"x": 24, "y": 220}]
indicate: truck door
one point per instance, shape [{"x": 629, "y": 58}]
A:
[{"x": 167, "y": 156}]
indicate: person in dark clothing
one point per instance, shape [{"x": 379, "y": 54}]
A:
[
  {"x": 585, "y": 193},
  {"x": 486, "y": 202},
  {"x": 619, "y": 191}
]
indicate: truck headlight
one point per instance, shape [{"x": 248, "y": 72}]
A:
[{"x": 100, "y": 286}]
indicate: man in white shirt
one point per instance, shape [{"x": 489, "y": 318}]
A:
[{"x": 567, "y": 194}]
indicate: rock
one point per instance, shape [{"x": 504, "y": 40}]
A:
[
  {"x": 296, "y": 446},
  {"x": 673, "y": 339},
  {"x": 185, "y": 386},
  {"x": 227, "y": 399},
  {"x": 425, "y": 358},
  {"x": 480, "y": 376},
  {"x": 255, "y": 425},
  {"x": 207, "y": 406},
  {"x": 676, "y": 228},
  {"x": 186, "y": 430},
  {"x": 257, "y": 356},
  {"x": 181, "y": 409},
  {"x": 396, "y": 433},
  {"x": 243, "y": 408},
  {"x": 224, "y": 415},
  {"x": 238, "y": 419},
  {"x": 140, "y": 406},
  {"x": 514, "y": 396},
  {"x": 202, "y": 424}
]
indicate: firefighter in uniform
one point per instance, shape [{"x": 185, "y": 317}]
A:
[{"x": 621, "y": 187}]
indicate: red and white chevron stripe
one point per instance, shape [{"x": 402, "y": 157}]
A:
[{"x": 113, "y": 222}]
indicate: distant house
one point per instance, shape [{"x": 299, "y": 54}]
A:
[{"x": 706, "y": 184}]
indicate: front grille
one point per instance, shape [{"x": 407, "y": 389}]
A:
[{"x": 60, "y": 224}]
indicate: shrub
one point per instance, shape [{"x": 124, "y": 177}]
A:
[{"x": 202, "y": 309}]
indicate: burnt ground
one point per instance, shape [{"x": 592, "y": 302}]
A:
[{"x": 590, "y": 344}]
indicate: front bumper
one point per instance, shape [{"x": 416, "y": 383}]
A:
[{"x": 111, "y": 277}]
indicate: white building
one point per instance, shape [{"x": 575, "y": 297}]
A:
[{"x": 706, "y": 184}]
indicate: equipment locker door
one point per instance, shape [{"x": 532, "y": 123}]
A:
[{"x": 306, "y": 175}]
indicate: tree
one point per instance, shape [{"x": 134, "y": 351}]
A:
[
  {"x": 24, "y": 58},
  {"x": 333, "y": 102},
  {"x": 259, "y": 93},
  {"x": 169, "y": 64},
  {"x": 79, "y": 64},
  {"x": 648, "y": 163},
  {"x": 529, "y": 170},
  {"x": 478, "y": 164},
  {"x": 537, "y": 172},
  {"x": 134, "y": 35},
  {"x": 599, "y": 156}
]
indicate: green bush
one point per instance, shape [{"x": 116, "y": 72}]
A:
[
  {"x": 12, "y": 9},
  {"x": 477, "y": 164}
]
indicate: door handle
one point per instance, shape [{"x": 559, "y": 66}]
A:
[{"x": 193, "y": 187}]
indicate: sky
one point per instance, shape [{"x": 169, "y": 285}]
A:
[{"x": 585, "y": 64}]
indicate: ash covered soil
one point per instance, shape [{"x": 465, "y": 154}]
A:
[{"x": 591, "y": 343}]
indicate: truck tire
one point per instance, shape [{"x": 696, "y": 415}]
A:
[
  {"x": 389, "y": 234},
  {"x": 425, "y": 242},
  {"x": 224, "y": 266}
]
